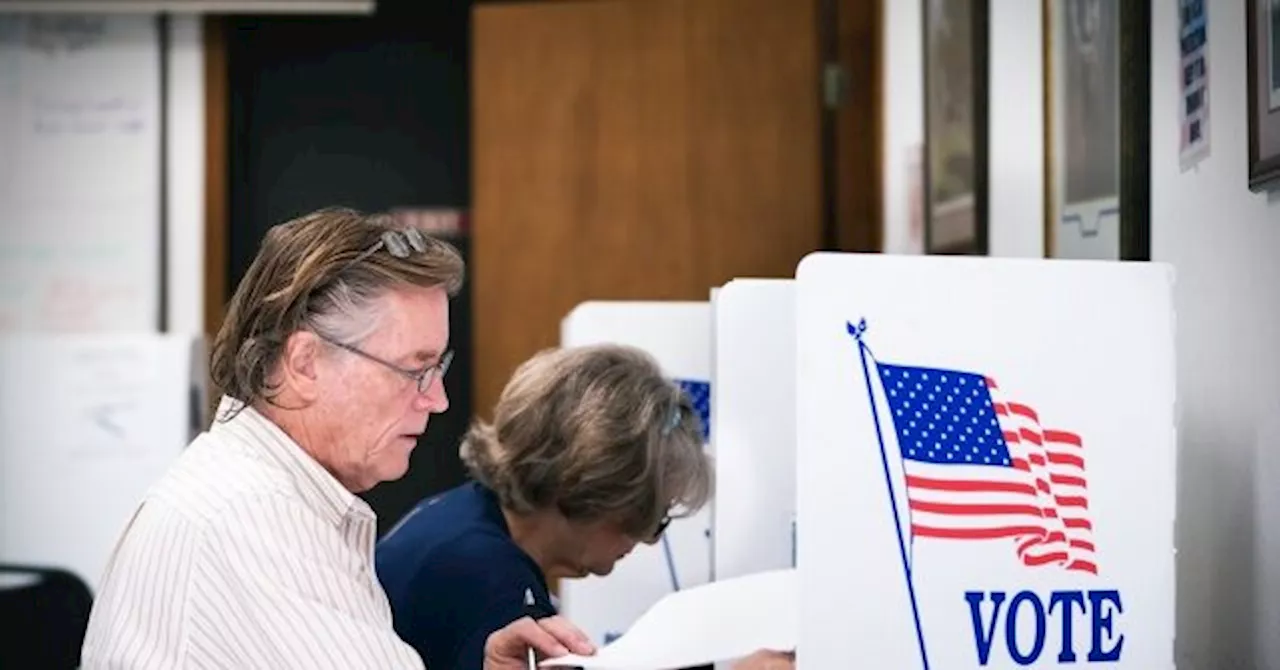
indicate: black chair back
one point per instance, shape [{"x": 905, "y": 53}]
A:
[{"x": 46, "y": 612}]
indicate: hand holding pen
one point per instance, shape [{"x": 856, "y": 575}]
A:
[
  {"x": 531, "y": 611},
  {"x": 520, "y": 644}
]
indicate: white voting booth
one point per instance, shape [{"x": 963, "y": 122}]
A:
[
  {"x": 986, "y": 463},
  {"x": 87, "y": 423},
  {"x": 678, "y": 336},
  {"x": 753, "y": 429}
]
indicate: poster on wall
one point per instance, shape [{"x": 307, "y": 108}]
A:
[
  {"x": 1193, "y": 76},
  {"x": 1263, "y": 63},
  {"x": 955, "y": 160},
  {"x": 1096, "y": 125},
  {"x": 915, "y": 199},
  {"x": 1084, "y": 127}
]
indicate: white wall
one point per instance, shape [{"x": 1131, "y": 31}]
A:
[
  {"x": 186, "y": 157},
  {"x": 1223, "y": 240},
  {"x": 903, "y": 119},
  {"x": 1016, "y": 148}
]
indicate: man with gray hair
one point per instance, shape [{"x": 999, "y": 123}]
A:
[{"x": 254, "y": 550}]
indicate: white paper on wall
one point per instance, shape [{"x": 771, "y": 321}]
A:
[
  {"x": 87, "y": 423},
  {"x": 80, "y": 179},
  {"x": 1193, "y": 82}
]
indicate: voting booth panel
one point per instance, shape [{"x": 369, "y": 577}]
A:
[
  {"x": 753, "y": 426},
  {"x": 87, "y": 424},
  {"x": 986, "y": 458},
  {"x": 678, "y": 335}
]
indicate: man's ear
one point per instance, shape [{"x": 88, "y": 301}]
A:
[{"x": 298, "y": 364}]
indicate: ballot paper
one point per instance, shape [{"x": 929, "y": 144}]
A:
[{"x": 719, "y": 621}]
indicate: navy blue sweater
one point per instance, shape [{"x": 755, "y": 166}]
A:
[{"x": 454, "y": 576}]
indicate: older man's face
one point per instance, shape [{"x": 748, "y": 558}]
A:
[{"x": 377, "y": 415}]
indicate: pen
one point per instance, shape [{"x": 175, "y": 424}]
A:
[{"x": 532, "y": 613}]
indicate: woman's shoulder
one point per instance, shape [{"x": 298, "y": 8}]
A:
[
  {"x": 447, "y": 535},
  {"x": 439, "y": 519}
]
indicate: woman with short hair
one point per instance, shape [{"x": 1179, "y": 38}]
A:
[{"x": 591, "y": 451}]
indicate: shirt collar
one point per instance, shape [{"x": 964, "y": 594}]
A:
[{"x": 320, "y": 489}]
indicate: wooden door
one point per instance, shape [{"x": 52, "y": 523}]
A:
[{"x": 636, "y": 149}]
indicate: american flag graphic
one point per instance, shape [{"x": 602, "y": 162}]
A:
[
  {"x": 981, "y": 467},
  {"x": 699, "y": 393}
]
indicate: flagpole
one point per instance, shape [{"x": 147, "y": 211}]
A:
[
  {"x": 671, "y": 563},
  {"x": 856, "y": 332}
]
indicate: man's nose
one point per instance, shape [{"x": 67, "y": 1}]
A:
[{"x": 436, "y": 399}]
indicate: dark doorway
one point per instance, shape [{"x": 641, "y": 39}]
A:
[{"x": 367, "y": 112}]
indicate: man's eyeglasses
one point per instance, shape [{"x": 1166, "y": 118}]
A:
[{"x": 423, "y": 378}]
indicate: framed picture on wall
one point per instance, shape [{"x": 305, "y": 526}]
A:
[
  {"x": 1097, "y": 129},
  {"x": 955, "y": 133},
  {"x": 1263, "y": 49}
]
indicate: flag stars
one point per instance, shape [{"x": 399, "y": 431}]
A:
[{"x": 946, "y": 412}]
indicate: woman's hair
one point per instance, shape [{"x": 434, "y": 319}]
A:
[
  {"x": 596, "y": 433},
  {"x": 322, "y": 272}
]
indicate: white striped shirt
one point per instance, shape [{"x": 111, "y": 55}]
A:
[{"x": 246, "y": 554}]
